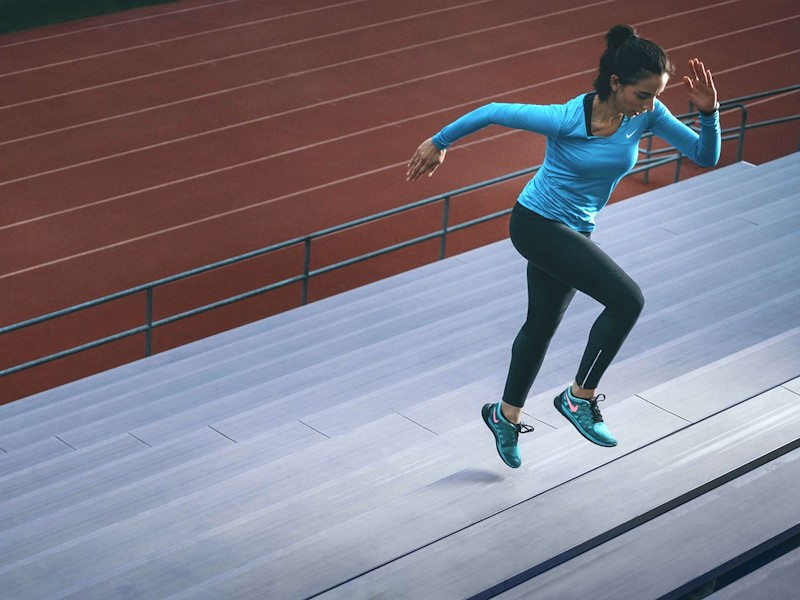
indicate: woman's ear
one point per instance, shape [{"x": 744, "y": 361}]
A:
[{"x": 614, "y": 83}]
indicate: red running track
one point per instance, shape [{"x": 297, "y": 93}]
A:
[{"x": 139, "y": 145}]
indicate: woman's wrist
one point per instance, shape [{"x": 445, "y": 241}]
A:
[{"x": 710, "y": 112}]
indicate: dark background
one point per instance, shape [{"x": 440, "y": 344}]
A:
[{"x": 16, "y": 15}]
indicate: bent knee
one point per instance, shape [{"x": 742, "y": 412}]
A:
[
  {"x": 540, "y": 330},
  {"x": 634, "y": 302},
  {"x": 629, "y": 301}
]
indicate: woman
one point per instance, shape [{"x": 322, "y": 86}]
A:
[{"x": 592, "y": 142}]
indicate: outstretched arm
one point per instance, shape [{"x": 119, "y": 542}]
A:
[{"x": 545, "y": 120}]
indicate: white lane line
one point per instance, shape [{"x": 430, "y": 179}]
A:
[
  {"x": 109, "y": 25},
  {"x": 349, "y": 135},
  {"x": 175, "y": 39},
  {"x": 318, "y": 104},
  {"x": 314, "y": 188},
  {"x": 241, "y": 209},
  {"x": 234, "y": 211},
  {"x": 225, "y": 58},
  {"x": 299, "y": 73}
]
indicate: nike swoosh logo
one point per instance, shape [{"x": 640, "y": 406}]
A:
[
  {"x": 572, "y": 407},
  {"x": 494, "y": 415},
  {"x": 630, "y": 135}
]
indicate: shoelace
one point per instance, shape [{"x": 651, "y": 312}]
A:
[
  {"x": 518, "y": 428},
  {"x": 596, "y": 416}
]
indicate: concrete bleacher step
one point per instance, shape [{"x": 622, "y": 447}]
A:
[
  {"x": 734, "y": 241},
  {"x": 730, "y": 195},
  {"x": 780, "y": 578},
  {"x": 262, "y": 342},
  {"x": 78, "y": 388},
  {"x": 312, "y": 491},
  {"x": 665, "y": 330},
  {"x": 685, "y": 194},
  {"x": 21, "y": 465},
  {"x": 268, "y": 360},
  {"x": 708, "y": 191},
  {"x": 550, "y": 526},
  {"x": 259, "y": 386},
  {"x": 87, "y": 474},
  {"x": 190, "y": 351},
  {"x": 224, "y": 486},
  {"x": 680, "y": 194},
  {"x": 243, "y": 506},
  {"x": 412, "y": 527},
  {"x": 62, "y": 482},
  {"x": 342, "y": 306},
  {"x": 721, "y": 530},
  {"x": 184, "y": 505},
  {"x": 633, "y": 371},
  {"x": 53, "y": 408},
  {"x": 250, "y": 463},
  {"x": 699, "y": 393}
]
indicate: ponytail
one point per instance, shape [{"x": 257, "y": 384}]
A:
[{"x": 629, "y": 57}]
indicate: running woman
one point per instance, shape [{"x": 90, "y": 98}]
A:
[{"x": 592, "y": 142}]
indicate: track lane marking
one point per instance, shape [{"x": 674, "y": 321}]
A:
[
  {"x": 331, "y": 101},
  {"x": 128, "y": 21},
  {"x": 211, "y": 60}
]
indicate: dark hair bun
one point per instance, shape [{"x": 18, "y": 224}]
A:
[
  {"x": 618, "y": 35},
  {"x": 629, "y": 57}
]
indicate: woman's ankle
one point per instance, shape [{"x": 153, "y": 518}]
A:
[
  {"x": 513, "y": 414},
  {"x": 579, "y": 392}
]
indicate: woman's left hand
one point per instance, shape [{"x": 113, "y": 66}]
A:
[
  {"x": 700, "y": 87},
  {"x": 426, "y": 159}
]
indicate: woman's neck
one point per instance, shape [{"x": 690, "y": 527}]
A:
[{"x": 606, "y": 119}]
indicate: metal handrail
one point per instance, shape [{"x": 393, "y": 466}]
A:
[
  {"x": 652, "y": 159},
  {"x": 727, "y": 134}
]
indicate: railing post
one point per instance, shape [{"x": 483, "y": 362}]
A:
[
  {"x": 306, "y": 267},
  {"x": 647, "y": 154},
  {"x": 445, "y": 220},
  {"x": 742, "y": 130},
  {"x": 148, "y": 335},
  {"x": 678, "y": 167}
]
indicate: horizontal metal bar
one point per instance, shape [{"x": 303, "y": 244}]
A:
[
  {"x": 72, "y": 309},
  {"x": 375, "y": 253},
  {"x": 231, "y": 300},
  {"x": 775, "y": 92},
  {"x": 262, "y": 251},
  {"x": 479, "y": 220},
  {"x": 642, "y": 166},
  {"x": 425, "y": 202},
  {"x": 773, "y": 122},
  {"x": 75, "y": 350}
]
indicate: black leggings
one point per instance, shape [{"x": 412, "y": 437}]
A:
[{"x": 561, "y": 261}]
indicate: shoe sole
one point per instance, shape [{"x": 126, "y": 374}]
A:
[
  {"x": 497, "y": 440},
  {"x": 568, "y": 417}
]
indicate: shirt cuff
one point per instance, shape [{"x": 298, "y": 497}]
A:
[
  {"x": 709, "y": 114},
  {"x": 439, "y": 142}
]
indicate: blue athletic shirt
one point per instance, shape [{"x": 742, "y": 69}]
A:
[{"x": 580, "y": 170}]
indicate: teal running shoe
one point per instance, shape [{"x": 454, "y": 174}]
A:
[
  {"x": 585, "y": 416},
  {"x": 505, "y": 434}
]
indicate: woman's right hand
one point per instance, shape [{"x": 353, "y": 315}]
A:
[{"x": 426, "y": 159}]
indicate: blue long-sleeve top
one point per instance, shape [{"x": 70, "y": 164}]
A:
[{"x": 581, "y": 170}]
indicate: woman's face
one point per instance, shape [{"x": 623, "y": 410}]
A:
[{"x": 639, "y": 97}]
